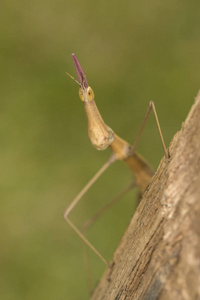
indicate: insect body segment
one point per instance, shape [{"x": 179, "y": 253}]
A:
[{"x": 101, "y": 137}]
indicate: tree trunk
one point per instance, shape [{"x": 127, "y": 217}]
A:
[{"x": 159, "y": 254}]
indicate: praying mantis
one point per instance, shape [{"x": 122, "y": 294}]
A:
[{"x": 102, "y": 137}]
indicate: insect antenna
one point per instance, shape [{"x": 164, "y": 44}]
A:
[{"x": 72, "y": 77}]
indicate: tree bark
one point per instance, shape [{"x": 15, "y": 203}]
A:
[{"x": 159, "y": 255}]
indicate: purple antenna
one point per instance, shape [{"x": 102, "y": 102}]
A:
[{"x": 79, "y": 71}]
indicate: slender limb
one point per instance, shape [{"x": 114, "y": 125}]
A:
[
  {"x": 149, "y": 109},
  {"x": 86, "y": 241},
  {"x": 88, "y": 185},
  {"x": 78, "y": 198},
  {"x": 88, "y": 268},
  {"x": 89, "y": 222}
]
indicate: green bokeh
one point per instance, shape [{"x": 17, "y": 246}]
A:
[{"x": 132, "y": 52}]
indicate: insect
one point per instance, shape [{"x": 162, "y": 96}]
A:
[{"x": 102, "y": 137}]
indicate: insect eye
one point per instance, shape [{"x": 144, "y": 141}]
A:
[
  {"x": 81, "y": 95},
  {"x": 90, "y": 93}
]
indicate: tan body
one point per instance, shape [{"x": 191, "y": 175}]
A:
[
  {"x": 140, "y": 168},
  {"x": 102, "y": 137}
]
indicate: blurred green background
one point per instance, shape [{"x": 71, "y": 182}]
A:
[{"x": 132, "y": 52}]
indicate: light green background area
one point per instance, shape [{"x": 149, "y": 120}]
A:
[{"x": 132, "y": 52}]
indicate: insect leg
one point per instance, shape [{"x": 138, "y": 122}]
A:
[
  {"x": 78, "y": 198},
  {"x": 149, "y": 109}
]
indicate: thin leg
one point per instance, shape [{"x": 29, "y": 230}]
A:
[
  {"x": 151, "y": 107},
  {"x": 78, "y": 198},
  {"x": 88, "y": 269},
  {"x": 91, "y": 221}
]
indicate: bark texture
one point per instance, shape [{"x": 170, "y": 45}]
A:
[{"x": 159, "y": 254}]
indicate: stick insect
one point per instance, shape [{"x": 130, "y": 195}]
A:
[{"x": 102, "y": 137}]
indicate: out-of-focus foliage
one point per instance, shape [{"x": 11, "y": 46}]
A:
[{"x": 132, "y": 52}]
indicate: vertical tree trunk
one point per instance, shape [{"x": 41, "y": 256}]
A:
[{"x": 159, "y": 254}]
